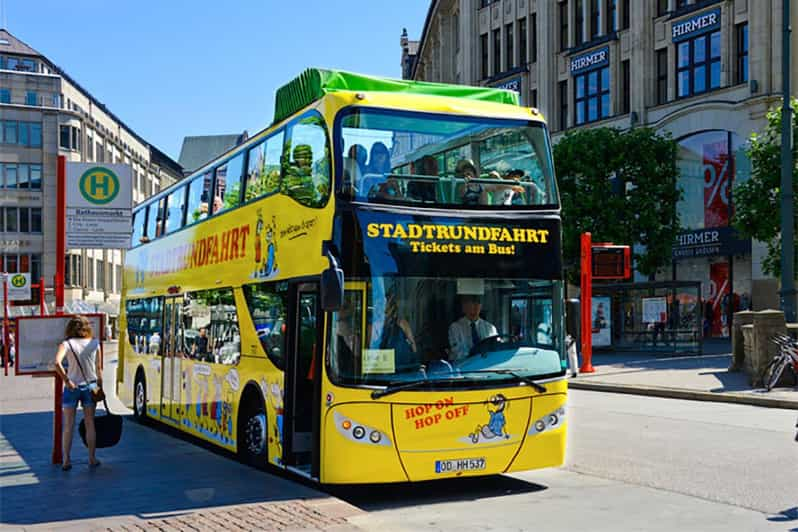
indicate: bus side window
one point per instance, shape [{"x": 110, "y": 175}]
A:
[
  {"x": 263, "y": 169},
  {"x": 175, "y": 206},
  {"x": 152, "y": 220},
  {"x": 210, "y": 326},
  {"x": 138, "y": 228},
  {"x": 306, "y": 162},
  {"x": 228, "y": 183},
  {"x": 198, "y": 192},
  {"x": 144, "y": 321},
  {"x": 268, "y": 309}
]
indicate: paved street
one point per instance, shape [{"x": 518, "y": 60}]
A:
[{"x": 634, "y": 463}]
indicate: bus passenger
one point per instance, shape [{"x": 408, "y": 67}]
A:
[
  {"x": 470, "y": 193},
  {"x": 379, "y": 159},
  {"x": 424, "y": 190},
  {"x": 200, "y": 348},
  {"x": 469, "y": 330},
  {"x": 398, "y": 336}
]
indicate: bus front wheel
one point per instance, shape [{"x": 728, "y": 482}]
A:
[
  {"x": 140, "y": 399},
  {"x": 252, "y": 435}
]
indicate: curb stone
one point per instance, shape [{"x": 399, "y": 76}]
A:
[{"x": 681, "y": 393}]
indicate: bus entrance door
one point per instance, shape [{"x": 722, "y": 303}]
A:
[
  {"x": 303, "y": 372},
  {"x": 171, "y": 354}
]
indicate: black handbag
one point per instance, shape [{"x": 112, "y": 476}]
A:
[{"x": 108, "y": 428}]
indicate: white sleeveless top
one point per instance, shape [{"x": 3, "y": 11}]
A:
[{"x": 86, "y": 349}]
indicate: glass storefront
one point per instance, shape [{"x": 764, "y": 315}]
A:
[{"x": 711, "y": 163}]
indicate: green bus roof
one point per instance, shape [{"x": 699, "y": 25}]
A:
[{"x": 314, "y": 83}]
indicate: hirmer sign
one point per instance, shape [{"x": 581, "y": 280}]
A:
[
  {"x": 99, "y": 203},
  {"x": 700, "y": 23},
  {"x": 595, "y": 59}
]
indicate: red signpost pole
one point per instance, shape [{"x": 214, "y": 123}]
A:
[
  {"x": 60, "y": 260},
  {"x": 586, "y": 304}
]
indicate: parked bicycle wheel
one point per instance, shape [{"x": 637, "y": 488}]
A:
[{"x": 773, "y": 372}]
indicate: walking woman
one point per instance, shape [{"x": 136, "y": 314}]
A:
[{"x": 82, "y": 376}]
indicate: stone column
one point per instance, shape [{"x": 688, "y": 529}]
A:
[{"x": 744, "y": 317}]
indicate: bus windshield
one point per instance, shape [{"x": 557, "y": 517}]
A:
[
  {"x": 422, "y": 159},
  {"x": 464, "y": 330}
]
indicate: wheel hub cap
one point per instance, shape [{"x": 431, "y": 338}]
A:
[{"x": 255, "y": 434}]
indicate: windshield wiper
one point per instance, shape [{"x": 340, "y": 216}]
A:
[
  {"x": 376, "y": 394},
  {"x": 520, "y": 378}
]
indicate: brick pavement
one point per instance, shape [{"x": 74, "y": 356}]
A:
[{"x": 152, "y": 480}]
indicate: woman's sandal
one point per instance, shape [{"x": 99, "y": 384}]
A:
[
  {"x": 95, "y": 464},
  {"x": 66, "y": 467}
]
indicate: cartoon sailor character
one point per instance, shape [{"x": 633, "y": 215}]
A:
[
  {"x": 277, "y": 401},
  {"x": 258, "y": 244},
  {"x": 216, "y": 405},
  {"x": 270, "y": 267},
  {"x": 497, "y": 404}
]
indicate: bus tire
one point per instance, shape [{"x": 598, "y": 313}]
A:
[
  {"x": 252, "y": 433},
  {"x": 140, "y": 398}
]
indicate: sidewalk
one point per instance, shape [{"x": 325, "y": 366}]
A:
[
  {"x": 697, "y": 377},
  {"x": 152, "y": 480}
]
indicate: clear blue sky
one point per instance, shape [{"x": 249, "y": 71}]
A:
[{"x": 174, "y": 68}]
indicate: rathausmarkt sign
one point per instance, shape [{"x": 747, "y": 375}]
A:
[
  {"x": 595, "y": 59},
  {"x": 700, "y": 23}
]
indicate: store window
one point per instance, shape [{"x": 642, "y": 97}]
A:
[
  {"x": 563, "y": 94},
  {"x": 662, "y": 76},
  {"x": 497, "y": 51},
  {"x": 710, "y": 164},
  {"x": 595, "y": 30},
  {"x": 483, "y": 50},
  {"x": 592, "y": 95},
  {"x": 612, "y": 15},
  {"x": 741, "y": 37},
  {"x": 626, "y": 99},
  {"x": 523, "y": 52},
  {"x": 698, "y": 65},
  {"x": 508, "y": 42}
]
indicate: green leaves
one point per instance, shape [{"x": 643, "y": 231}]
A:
[
  {"x": 757, "y": 202},
  {"x": 621, "y": 187}
]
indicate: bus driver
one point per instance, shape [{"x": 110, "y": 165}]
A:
[{"x": 469, "y": 330}]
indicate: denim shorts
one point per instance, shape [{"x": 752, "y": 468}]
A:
[{"x": 82, "y": 393}]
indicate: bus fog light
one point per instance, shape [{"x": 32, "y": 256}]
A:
[
  {"x": 553, "y": 419},
  {"x": 358, "y": 432},
  {"x": 540, "y": 426},
  {"x": 375, "y": 436}
]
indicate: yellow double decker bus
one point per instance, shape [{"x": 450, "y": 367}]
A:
[{"x": 369, "y": 290}]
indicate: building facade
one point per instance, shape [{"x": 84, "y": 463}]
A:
[
  {"x": 44, "y": 113},
  {"x": 705, "y": 71}
]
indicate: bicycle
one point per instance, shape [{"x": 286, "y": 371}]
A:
[{"x": 786, "y": 358}]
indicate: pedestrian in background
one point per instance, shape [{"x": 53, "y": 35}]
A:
[{"x": 82, "y": 376}]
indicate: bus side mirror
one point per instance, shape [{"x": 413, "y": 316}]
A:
[{"x": 332, "y": 286}]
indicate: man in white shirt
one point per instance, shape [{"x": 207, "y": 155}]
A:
[{"x": 470, "y": 329}]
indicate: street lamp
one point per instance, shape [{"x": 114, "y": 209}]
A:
[{"x": 787, "y": 214}]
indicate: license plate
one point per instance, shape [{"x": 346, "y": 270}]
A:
[{"x": 463, "y": 464}]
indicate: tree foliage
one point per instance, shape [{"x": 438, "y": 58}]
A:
[
  {"x": 757, "y": 201},
  {"x": 621, "y": 187}
]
